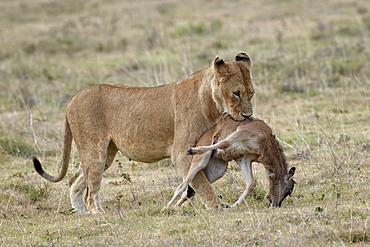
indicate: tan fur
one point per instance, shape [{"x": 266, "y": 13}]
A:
[
  {"x": 150, "y": 124},
  {"x": 244, "y": 141}
]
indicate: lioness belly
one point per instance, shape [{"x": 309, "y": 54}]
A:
[
  {"x": 145, "y": 150},
  {"x": 146, "y": 156}
]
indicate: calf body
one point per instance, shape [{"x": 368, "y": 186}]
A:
[{"x": 245, "y": 142}]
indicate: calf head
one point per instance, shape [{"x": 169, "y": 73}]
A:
[{"x": 280, "y": 187}]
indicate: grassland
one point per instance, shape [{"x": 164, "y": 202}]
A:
[{"x": 312, "y": 76}]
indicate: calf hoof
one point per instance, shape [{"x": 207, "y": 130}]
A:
[
  {"x": 190, "y": 151},
  {"x": 168, "y": 210}
]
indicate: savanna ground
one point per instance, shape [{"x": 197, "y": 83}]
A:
[{"x": 312, "y": 77}]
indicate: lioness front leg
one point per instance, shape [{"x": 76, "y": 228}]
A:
[{"x": 206, "y": 192}]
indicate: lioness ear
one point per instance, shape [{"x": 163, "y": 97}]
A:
[
  {"x": 218, "y": 61},
  {"x": 218, "y": 64},
  {"x": 242, "y": 56}
]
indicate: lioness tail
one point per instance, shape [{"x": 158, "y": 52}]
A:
[{"x": 66, "y": 152}]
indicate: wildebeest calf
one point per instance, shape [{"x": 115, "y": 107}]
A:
[{"x": 245, "y": 142}]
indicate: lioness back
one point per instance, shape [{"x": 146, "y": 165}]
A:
[{"x": 138, "y": 120}]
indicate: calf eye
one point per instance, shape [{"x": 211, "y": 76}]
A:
[{"x": 289, "y": 192}]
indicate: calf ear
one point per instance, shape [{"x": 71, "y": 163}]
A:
[
  {"x": 243, "y": 57},
  {"x": 290, "y": 174}
]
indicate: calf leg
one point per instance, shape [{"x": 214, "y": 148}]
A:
[
  {"x": 198, "y": 163},
  {"x": 215, "y": 169},
  {"x": 237, "y": 136},
  {"x": 246, "y": 167},
  {"x": 188, "y": 194},
  {"x": 200, "y": 183}
]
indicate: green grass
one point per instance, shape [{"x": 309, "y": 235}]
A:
[{"x": 311, "y": 74}]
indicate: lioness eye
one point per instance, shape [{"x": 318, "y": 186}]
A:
[
  {"x": 252, "y": 93},
  {"x": 237, "y": 94}
]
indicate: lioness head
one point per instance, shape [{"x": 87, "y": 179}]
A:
[{"x": 233, "y": 89}]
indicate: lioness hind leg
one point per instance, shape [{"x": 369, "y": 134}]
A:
[
  {"x": 94, "y": 173},
  {"x": 112, "y": 151},
  {"x": 78, "y": 192}
]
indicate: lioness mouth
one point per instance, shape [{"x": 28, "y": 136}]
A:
[{"x": 246, "y": 116}]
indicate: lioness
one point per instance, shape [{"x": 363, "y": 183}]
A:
[
  {"x": 245, "y": 142},
  {"x": 150, "y": 124}
]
